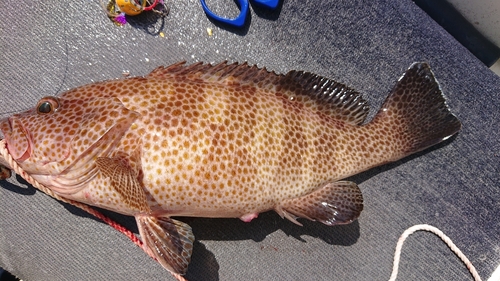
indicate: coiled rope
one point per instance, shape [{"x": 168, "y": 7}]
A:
[{"x": 443, "y": 237}]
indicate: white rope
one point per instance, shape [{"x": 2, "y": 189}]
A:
[{"x": 443, "y": 237}]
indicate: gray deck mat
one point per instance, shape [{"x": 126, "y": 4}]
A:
[{"x": 48, "y": 47}]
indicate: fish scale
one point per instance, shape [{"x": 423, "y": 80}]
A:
[{"x": 229, "y": 140}]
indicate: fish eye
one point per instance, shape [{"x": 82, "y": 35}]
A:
[{"x": 47, "y": 105}]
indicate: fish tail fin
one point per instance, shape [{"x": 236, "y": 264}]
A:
[{"x": 415, "y": 113}]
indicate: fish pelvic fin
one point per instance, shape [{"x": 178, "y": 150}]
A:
[
  {"x": 416, "y": 111},
  {"x": 170, "y": 241},
  {"x": 333, "y": 204}
]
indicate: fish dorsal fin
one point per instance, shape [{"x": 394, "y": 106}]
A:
[
  {"x": 222, "y": 72},
  {"x": 337, "y": 99},
  {"x": 342, "y": 102}
]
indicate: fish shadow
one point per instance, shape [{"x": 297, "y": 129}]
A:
[
  {"x": 216, "y": 229},
  {"x": 204, "y": 265},
  {"x": 25, "y": 188}
]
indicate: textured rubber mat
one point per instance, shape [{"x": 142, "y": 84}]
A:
[{"x": 49, "y": 47}]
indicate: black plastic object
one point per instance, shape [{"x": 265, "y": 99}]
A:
[{"x": 451, "y": 20}]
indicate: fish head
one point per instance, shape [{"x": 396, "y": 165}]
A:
[
  {"x": 32, "y": 129},
  {"x": 62, "y": 134}
]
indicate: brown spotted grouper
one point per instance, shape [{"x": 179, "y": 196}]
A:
[{"x": 227, "y": 140}]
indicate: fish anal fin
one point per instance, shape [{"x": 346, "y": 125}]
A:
[
  {"x": 170, "y": 241},
  {"x": 333, "y": 204},
  {"x": 124, "y": 182}
]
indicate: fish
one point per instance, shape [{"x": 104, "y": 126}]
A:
[{"x": 226, "y": 140}]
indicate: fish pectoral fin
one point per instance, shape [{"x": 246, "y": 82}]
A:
[
  {"x": 335, "y": 203},
  {"x": 123, "y": 181},
  {"x": 170, "y": 241}
]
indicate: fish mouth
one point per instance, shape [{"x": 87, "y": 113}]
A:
[
  {"x": 20, "y": 150},
  {"x": 5, "y": 128}
]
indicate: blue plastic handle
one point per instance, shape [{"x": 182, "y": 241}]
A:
[
  {"x": 271, "y": 4},
  {"x": 239, "y": 21}
]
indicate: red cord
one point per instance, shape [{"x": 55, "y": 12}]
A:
[{"x": 150, "y": 7}]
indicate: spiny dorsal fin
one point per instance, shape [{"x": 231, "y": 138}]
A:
[
  {"x": 242, "y": 73},
  {"x": 342, "y": 102}
]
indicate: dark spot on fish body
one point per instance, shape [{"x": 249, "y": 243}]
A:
[
  {"x": 176, "y": 112},
  {"x": 158, "y": 122}
]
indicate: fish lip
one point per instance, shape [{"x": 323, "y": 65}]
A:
[
  {"x": 3, "y": 134},
  {"x": 29, "y": 149},
  {"x": 6, "y": 132}
]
